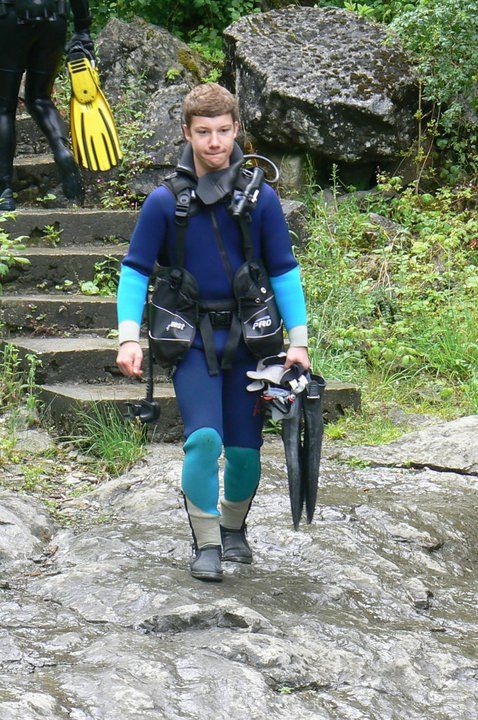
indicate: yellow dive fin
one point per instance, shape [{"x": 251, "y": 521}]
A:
[{"x": 93, "y": 132}]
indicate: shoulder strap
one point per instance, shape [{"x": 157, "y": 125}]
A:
[
  {"x": 183, "y": 189},
  {"x": 244, "y": 200}
]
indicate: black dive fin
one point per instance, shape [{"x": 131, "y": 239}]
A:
[
  {"x": 291, "y": 437},
  {"x": 312, "y": 402}
]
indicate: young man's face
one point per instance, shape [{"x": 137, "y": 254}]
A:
[{"x": 212, "y": 140}]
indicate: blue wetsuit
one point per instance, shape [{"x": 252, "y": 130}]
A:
[{"x": 216, "y": 410}]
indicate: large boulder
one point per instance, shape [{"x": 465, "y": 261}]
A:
[
  {"x": 138, "y": 53},
  {"x": 147, "y": 68},
  {"x": 324, "y": 81}
]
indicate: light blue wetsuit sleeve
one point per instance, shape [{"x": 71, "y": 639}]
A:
[
  {"x": 132, "y": 290},
  {"x": 282, "y": 267},
  {"x": 290, "y": 298},
  {"x": 148, "y": 238}
]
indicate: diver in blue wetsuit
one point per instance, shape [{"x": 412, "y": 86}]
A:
[{"x": 210, "y": 387}]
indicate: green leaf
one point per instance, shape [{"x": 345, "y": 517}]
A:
[{"x": 89, "y": 288}]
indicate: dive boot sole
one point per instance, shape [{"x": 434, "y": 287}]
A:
[
  {"x": 238, "y": 559},
  {"x": 211, "y": 577}
]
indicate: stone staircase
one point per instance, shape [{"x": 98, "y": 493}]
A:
[{"x": 45, "y": 314}]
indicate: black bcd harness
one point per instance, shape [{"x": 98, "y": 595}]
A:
[
  {"x": 176, "y": 311},
  {"x": 29, "y": 11}
]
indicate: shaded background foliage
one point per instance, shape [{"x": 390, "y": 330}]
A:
[
  {"x": 182, "y": 17},
  {"x": 442, "y": 35}
]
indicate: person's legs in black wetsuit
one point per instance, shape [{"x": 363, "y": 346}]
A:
[
  {"x": 44, "y": 58},
  {"x": 12, "y": 59},
  {"x": 37, "y": 48},
  {"x": 9, "y": 86}
]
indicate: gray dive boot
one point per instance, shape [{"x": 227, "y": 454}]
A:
[
  {"x": 7, "y": 203},
  {"x": 206, "y": 564},
  {"x": 235, "y": 547}
]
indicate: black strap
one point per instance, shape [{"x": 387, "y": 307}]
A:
[
  {"x": 221, "y": 248},
  {"x": 247, "y": 244},
  {"x": 150, "y": 379},
  {"x": 207, "y": 335},
  {"x": 182, "y": 187},
  {"x": 233, "y": 339},
  {"x": 181, "y": 219}
]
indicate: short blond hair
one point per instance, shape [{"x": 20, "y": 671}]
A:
[{"x": 209, "y": 100}]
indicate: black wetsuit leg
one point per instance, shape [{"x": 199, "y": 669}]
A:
[
  {"x": 42, "y": 64},
  {"x": 9, "y": 86},
  {"x": 38, "y": 49},
  {"x": 12, "y": 64}
]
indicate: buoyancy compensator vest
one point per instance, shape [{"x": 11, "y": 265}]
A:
[{"x": 175, "y": 308}]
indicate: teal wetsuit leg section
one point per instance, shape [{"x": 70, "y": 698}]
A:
[
  {"x": 242, "y": 473},
  {"x": 200, "y": 478},
  {"x": 132, "y": 290},
  {"x": 290, "y": 298}
]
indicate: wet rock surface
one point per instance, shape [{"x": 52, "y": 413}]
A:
[
  {"x": 323, "y": 81},
  {"x": 448, "y": 446},
  {"x": 370, "y": 612}
]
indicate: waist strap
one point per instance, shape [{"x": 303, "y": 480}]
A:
[
  {"x": 219, "y": 315},
  {"x": 220, "y": 312}
]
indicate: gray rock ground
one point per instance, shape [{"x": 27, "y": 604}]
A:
[
  {"x": 449, "y": 446},
  {"x": 369, "y": 613}
]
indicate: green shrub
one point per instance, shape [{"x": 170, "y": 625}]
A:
[
  {"x": 17, "y": 382},
  {"x": 443, "y": 36},
  {"x": 380, "y": 10},
  {"x": 394, "y": 304},
  {"x": 9, "y": 249},
  {"x": 183, "y": 17}
]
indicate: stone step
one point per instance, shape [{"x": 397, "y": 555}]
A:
[
  {"x": 87, "y": 358},
  {"x": 34, "y": 176},
  {"x": 74, "y": 226},
  {"x": 49, "y": 314},
  {"x": 64, "y": 400},
  {"x": 30, "y": 139},
  {"x": 53, "y": 266},
  {"x": 74, "y": 359}
]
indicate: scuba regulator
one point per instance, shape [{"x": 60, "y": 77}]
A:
[{"x": 244, "y": 201}]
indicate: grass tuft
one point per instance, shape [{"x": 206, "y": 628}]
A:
[{"x": 114, "y": 442}]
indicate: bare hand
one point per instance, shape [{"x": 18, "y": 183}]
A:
[
  {"x": 129, "y": 359},
  {"x": 297, "y": 355}
]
